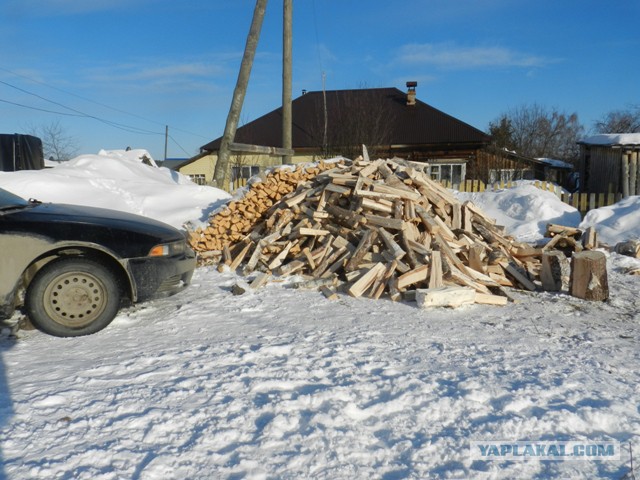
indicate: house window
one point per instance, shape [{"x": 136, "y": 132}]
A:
[
  {"x": 454, "y": 173},
  {"x": 242, "y": 173},
  {"x": 198, "y": 178}
]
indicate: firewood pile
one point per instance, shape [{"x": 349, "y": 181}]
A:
[{"x": 370, "y": 228}]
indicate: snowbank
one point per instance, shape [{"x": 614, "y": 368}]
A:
[
  {"x": 617, "y": 222},
  {"x": 120, "y": 180},
  {"x": 524, "y": 210}
]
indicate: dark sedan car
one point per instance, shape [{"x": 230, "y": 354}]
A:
[{"x": 71, "y": 267}]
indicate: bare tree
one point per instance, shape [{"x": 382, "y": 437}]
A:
[
  {"x": 56, "y": 142},
  {"x": 536, "y": 131},
  {"x": 352, "y": 121},
  {"x": 620, "y": 121}
]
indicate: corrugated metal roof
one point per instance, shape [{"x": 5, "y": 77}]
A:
[{"x": 410, "y": 125}]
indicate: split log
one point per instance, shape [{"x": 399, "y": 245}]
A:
[
  {"x": 444, "y": 297},
  {"x": 365, "y": 281},
  {"x": 589, "y": 276},
  {"x": 556, "y": 272}
]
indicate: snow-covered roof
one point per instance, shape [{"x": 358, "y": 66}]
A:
[
  {"x": 553, "y": 162},
  {"x": 612, "y": 139}
]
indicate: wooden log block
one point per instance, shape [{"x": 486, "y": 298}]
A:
[
  {"x": 519, "y": 277},
  {"x": 313, "y": 231},
  {"x": 331, "y": 263},
  {"x": 427, "y": 220},
  {"x": 380, "y": 284},
  {"x": 363, "y": 247},
  {"x": 395, "y": 249},
  {"x": 344, "y": 217},
  {"x": 404, "y": 193},
  {"x": 377, "y": 205},
  {"x": 227, "y": 258},
  {"x": 291, "y": 267},
  {"x": 590, "y": 239},
  {"x": 365, "y": 281},
  {"x": 369, "y": 169},
  {"x": 316, "y": 283},
  {"x": 456, "y": 216},
  {"x": 386, "y": 222},
  {"x": 397, "y": 208},
  {"x": 554, "y": 229},
  {"x": 485, "y": 299},
  {"x": 277, "y": 261},
  {"x": 410, "y": 254},
  {"x": 452, "y": 296},
  {"x": 260, "y": 280},
  {"x": 475, "y": 258},
  {"x": 414, "y": 276},
  {"x": 328, "y": 293},
  {"x": 556, "y": 272},
  {"x": 435, "y": 270},
  {"x": 589, "y": 276}
]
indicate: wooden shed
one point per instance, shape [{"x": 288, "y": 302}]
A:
[{"x": 609, "y": 163}]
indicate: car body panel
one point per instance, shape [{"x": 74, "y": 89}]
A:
[{"x": 33, "y": 233}]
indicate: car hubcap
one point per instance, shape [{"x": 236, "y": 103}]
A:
[{"x": 75, "y": 299}]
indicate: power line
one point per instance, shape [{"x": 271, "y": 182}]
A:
[
  {"x": 128, "y": 128},
  {"x": 121, "y": 126},
  {"x": 180, "y": 146},
  {"x": 31, "y": 79},
  {"x": 40, "y": 109}
]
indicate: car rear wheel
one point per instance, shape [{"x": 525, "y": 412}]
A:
[{"x": 70, "y": 297}]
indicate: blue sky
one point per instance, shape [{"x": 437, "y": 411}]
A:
[{"x": 115, "y": 72}]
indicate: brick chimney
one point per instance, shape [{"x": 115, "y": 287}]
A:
[{"x": 411, "y": 93}]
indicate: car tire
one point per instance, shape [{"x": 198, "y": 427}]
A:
[{"x": 70, "y": 297}]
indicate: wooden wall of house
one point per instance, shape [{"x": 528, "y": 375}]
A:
[
  {"x": 485, "y": 161},
  {"x": 600, "y": 170}
]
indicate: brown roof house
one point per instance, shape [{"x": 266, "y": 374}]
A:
[{"x": 390, "y": 122}]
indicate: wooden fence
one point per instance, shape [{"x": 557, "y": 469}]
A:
[{"x": 583, "y": 202}]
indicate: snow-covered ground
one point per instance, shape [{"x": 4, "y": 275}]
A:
[{"x": 283, "y": 383}]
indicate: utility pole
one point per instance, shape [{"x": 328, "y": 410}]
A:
[
  {"x": 286, "y": 78},
  {"x": 166, "y": 140},
  {"x": 222, "y": 165}
]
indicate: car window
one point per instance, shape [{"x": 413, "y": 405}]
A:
[{"x": 8, "y": 199}]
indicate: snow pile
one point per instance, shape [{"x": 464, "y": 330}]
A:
[
  {"x": 617, "y": 222},
  {"x": 524, "y": 210},
  {"x": 119, "y": 180}
]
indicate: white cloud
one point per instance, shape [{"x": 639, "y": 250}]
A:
[
  {"x": 182, "y": 76},
  {"x": 451, "y": 56}
]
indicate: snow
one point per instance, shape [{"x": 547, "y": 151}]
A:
[
  {"x": 554, "y": 162},
  {"x": 524, "y": 211},
  {"x": 613, "y": 139},
  {"x": 283, "y": 383},
  {"x": 617, "y": 222},
  {"x": 119, "y": 179}
]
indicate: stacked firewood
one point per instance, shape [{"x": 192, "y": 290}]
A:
[
  {"x": 373, "y": 228},
  {"x": 238, "y": 218}
]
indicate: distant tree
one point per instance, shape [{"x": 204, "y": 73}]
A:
[
  {"x": 56, "y": 142},
  {"x": 536, "y": 131},
  {"x": 352, "y": 121},
  {"x": 501, "y": 133},
  {"x": 620, "y": 121}
]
